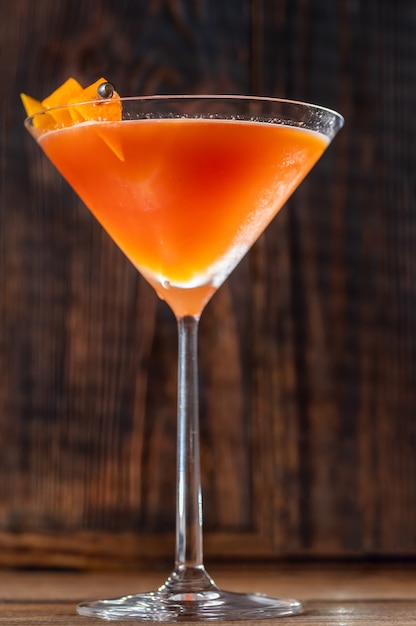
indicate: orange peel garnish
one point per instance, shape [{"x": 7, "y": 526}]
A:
[
  {"x": 59, "y": 98},
  {"x": 33, "y": 106},
  {"x": 94, "y": 108},
  {"x": 90, "y": 106},
  {"x": 87, "y": 105}
]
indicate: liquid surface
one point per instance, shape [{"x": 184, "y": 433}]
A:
[{"x": 184, "y": 198}]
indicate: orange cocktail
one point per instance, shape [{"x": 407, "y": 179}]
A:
[
  {"x": 184, "y": 198},
  {"x": 184, "y": 185}
]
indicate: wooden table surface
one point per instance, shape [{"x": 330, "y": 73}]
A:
[{"x": 332, "y": 594}]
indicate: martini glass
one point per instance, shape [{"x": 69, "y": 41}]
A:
[{"x": 185, "y": 185}]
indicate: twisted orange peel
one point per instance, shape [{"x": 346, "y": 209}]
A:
[{"x": 87, "y": 105}]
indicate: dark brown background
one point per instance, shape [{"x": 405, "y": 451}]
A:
[{"x": 308, "y": 353}]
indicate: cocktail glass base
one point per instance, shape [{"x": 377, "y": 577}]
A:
[{"x": 173, "y": 602}]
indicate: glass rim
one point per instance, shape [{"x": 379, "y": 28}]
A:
[{"x": 189, "y": 97}]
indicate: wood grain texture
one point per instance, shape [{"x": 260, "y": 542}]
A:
[
  {"x": 350, "y": 286},
  {"x": 307, "y": 353},
  {"x": 337, "y": 595}
]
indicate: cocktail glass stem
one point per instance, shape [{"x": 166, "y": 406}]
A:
[
  {"x": 189, "y": 573},
  {"x": 189, "y": 499}
]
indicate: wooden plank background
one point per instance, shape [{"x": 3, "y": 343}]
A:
[{"x": 307, "y": 354}]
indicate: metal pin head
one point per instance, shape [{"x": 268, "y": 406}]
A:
[{"x": 105, "y": 90}]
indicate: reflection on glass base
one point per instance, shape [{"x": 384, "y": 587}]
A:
[{"x": 212, "y": 605}]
